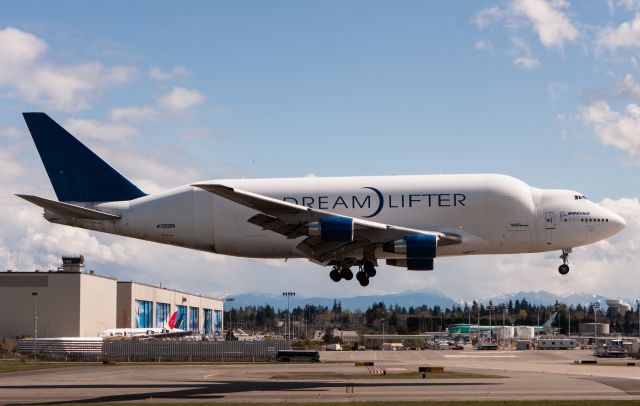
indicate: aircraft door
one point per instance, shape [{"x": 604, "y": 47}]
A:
[{"x": 549, "y": 220}]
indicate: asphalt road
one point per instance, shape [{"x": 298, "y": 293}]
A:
[{"x": 525, "y": 375}]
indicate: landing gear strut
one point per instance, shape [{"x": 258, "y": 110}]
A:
[{"x": 564, "y": 268}]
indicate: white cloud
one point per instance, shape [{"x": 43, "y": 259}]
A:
[
  {"x": 133, "y": 114},
  {"x": 488, "y": 16},
  {"x": 93, "y": 129},
  {"x": 178, "y": 71},
  {"x": 549, "y": 21},
  {"x": 526, "y": 63},
  {"x": 626, "y": 35},
  {"x": 524, "y": 58},
  {"x": 181, "y": 99},
  {"x": 621, "y": 130},
  {"x": 27, "y": 75},
  {"x": 629, "y": 88}
]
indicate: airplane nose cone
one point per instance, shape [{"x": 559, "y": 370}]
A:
[{"x": 617, "y": 222}]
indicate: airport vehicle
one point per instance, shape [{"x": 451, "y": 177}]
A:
[
  {"x": 298, "y": 355},
  {"x": 556, "y": 344},
  {"x": 342, "y": 222},
  {"x": 167, "y": 330}
]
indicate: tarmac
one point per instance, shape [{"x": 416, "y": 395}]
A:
[{"x": 514, "y": 375}]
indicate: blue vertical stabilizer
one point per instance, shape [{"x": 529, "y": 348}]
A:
[{"x": 76, "y": 173}]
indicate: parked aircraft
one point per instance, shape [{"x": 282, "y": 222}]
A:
[
  {"x": 342, "y": 222},
  {"x": 167, "y": 330}
]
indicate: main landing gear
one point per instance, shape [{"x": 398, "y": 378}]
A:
[
  {"x": 564, "y": 268},
  {"x": 367, "y": 270}
]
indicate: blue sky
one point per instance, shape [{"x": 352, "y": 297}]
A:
[{"x": 171, "y": 93}]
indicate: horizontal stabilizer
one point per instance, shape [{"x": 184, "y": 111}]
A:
[{"x": 67, "y": 209}]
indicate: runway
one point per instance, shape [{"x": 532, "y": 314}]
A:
[{"x": 523, "y": 375}]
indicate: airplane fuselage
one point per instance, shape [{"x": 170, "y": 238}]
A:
[{"x": 493, "y": 214}]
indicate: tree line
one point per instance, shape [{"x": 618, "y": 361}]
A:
[{"x": 395, "y": 319}]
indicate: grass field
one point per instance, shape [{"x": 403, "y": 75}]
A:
[
  {"x": 20, "y": 365},
  {"x": 453, "y": 403}
]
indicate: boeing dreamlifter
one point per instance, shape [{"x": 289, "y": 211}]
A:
[{"x": 342, "y": 222}]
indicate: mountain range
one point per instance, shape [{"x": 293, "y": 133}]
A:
[{"x": 412, "y": 298}]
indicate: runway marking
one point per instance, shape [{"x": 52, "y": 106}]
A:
[
  {"x": 481, "y": 356},
  {"x": 207, "y": 376}
]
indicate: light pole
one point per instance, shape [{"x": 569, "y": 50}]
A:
[
  {"x": 569, "y": 310},
  {"x": 230, "y": 300},
  {"x": 596, "y": 306},
  {"x": 288, "y": 295},
  {"x": 35, "y": 320},
  {"x": 638, "y": 306},
  {"x": 491, "y": 308}
]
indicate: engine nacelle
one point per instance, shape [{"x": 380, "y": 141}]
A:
[
  {"x": 419, "y": 249},
  {"x": 332, "y": 228}
]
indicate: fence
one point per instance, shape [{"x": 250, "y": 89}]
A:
[
  {"x": 74, "y": 348},
  {"x": 155, "y": 350}
]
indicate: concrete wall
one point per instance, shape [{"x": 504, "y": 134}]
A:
[
  {"x": 97, "y": 304},
  {"x": 63, "y": 308}
]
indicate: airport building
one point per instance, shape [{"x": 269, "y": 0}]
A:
[
  {"x": 146, "y": 306},
  {"x": 70, "y": 302}
]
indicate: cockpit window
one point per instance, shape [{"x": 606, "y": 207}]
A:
[{"x": 579, "y": 197}]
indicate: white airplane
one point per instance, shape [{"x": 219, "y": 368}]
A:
[
  {"x": 169, "y": 329},
  {"x": 342, "y": 222}
]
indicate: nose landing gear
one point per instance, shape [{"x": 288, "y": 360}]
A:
[{"x": 564, "y": 268}]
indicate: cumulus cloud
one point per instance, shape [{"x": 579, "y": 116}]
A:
[
  {"x": 26, "y": 74},
  {"x": 549, "y": 21},
  {"x": 626, "y": 35},
  {"x": 178, "y": 71},
  {"x": 621, "y": 130},
  {"x": 180, "y": 99}
]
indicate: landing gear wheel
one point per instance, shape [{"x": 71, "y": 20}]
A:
[
  {"x": 564, "y": 268},
  {"x": 335, "y": 275},
  {"x": 346, "y": 274},
  {"x": 362, "y": 278},
  {"x": 369, "y": 269}
]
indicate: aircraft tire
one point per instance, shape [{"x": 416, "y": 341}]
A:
[
  {"x": 335, "y": 275},
  {"x": 369, "y": 269},
  {"x": 362, "y": 278},
  {"x": 346, "y": 274},
  {"x": 563, "y": 269}
]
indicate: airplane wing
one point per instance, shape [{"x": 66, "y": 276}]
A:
[
  {"x": 339, "y": 235},
  {"x": 67, "y": 209}
]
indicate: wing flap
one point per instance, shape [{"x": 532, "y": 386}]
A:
[{"x": 67, "y": 209}]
